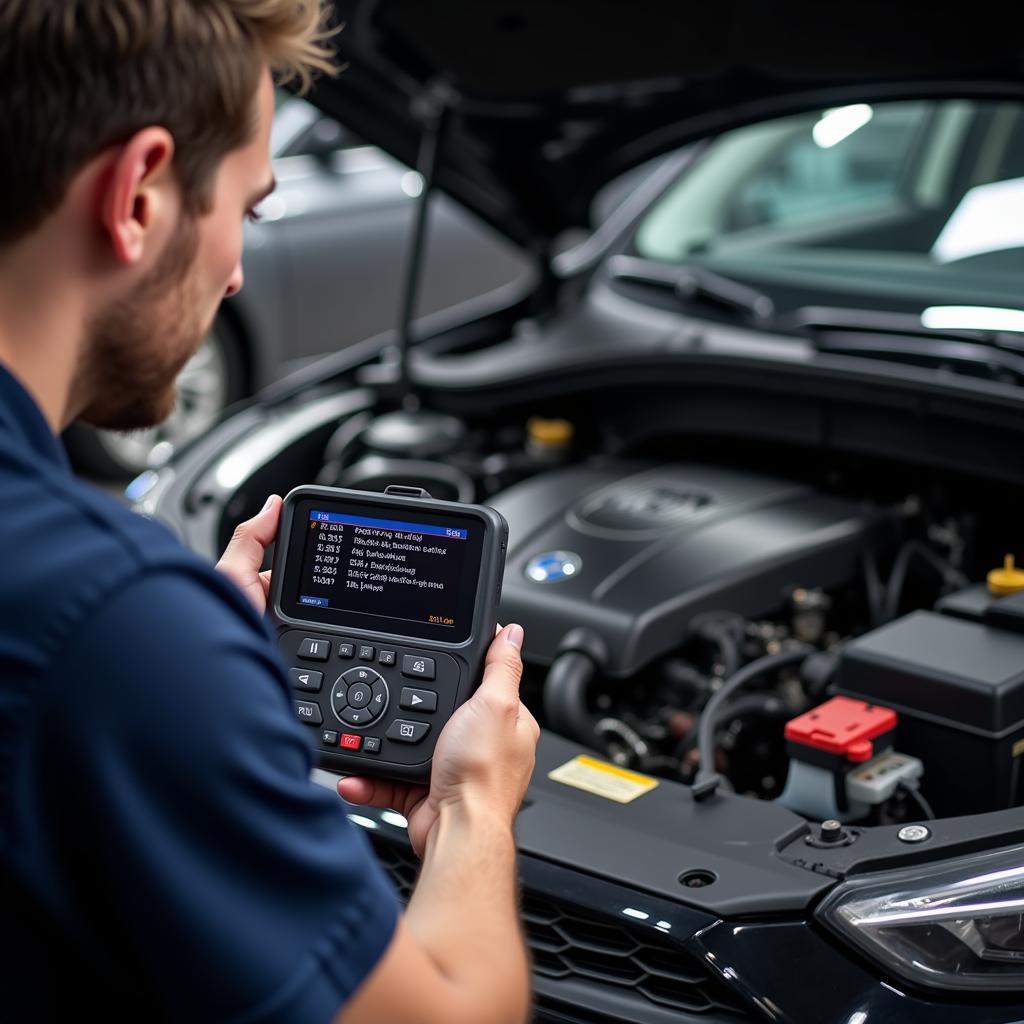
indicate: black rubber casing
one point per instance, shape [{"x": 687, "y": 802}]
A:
[{"x": 459, "y": 665}]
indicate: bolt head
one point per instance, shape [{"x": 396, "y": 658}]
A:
[
  {"x": 913, "y": 834},
  {"x": 831, "y": 831}
]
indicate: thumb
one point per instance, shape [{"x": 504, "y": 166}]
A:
[
  {"x": 244, "y": 554},
  {"x": 503, "y": 667}
]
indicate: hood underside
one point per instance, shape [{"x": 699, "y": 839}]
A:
[{"x": 544, "y": 101}]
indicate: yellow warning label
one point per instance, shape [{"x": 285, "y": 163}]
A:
[
  {"x": 1018, "y": 748},
  {"x": 603, "y": 779}
]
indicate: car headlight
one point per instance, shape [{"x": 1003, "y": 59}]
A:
[{"x": 955, "y": 925}]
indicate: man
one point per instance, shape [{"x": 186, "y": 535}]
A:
[{"x": 163, "y": 853}]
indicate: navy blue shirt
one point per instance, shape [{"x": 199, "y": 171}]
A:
[{"x": 163, "y": 852}]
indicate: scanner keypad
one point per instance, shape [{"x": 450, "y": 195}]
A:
[{"x": 360, "y": 694}]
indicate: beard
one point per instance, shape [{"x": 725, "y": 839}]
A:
[{"x": 135, "y": 348}]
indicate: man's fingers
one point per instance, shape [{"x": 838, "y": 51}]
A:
[
  {"x": 380, "y": 793},
  {"x": 358, "y": 790}
]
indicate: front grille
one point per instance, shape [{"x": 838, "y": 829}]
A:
[
  {"x": 568, "y": 942},
  {"x": 401, "y": 864}
]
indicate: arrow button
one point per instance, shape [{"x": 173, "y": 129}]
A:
[
  {"x": 304, "y": 679},
  {"x": 424, "y": 701},
  {"x": 355, "y": 716}
]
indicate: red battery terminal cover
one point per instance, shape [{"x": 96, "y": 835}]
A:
[{"x": 843, "y": 727}]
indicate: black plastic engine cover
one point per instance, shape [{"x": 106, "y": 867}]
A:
[{"x": 655, "y": 545}]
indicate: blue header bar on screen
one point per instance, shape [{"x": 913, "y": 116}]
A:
[{"x": 451, "y": 532}]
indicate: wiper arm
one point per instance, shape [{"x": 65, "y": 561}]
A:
[
  {"x": 816, "y": 319},
  {"x": 690, "y": 282},
  {"x": 901, "y": 337}
]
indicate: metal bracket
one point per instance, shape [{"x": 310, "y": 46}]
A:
[{"x": 402, "y": 491}]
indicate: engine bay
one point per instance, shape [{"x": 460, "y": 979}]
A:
[{"x": 841, "y": 643}]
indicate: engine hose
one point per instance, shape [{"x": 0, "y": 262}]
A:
[
  {"x": 874, "y": 589},
  {"x": 951, "y": 577},
  {"x": 565, "y": 697},
  {"x": 759, "y": 705},
  {"x": 724, "y": 630},
  {"x": 728, "y": 648},
  {"x": 628, "y": 737},
  {"x": 712, "y": 711}
]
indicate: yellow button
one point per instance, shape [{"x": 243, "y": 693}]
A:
[{"x": 1005, "y": 581}]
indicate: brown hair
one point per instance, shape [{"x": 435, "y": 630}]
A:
[{"x": 78, "y": 76}]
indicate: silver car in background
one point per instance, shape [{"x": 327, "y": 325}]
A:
[{"x": 324, "y": 268}]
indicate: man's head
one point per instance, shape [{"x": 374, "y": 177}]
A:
[{"x": 136, "y": 140}]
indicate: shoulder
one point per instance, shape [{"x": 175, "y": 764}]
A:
[
  {"x": 164, "y": 662},
  {"x": 70, "y": 548}
]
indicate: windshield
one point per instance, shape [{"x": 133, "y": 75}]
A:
[{"x": 905, "y": 206}]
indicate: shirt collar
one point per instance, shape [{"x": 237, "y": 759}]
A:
[{"x": 20, "y": 416}]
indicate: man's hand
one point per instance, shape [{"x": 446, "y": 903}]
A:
[
  {"x": 246, "y": 550},
  {"x": 458, "y": 955},
  {"x": 484, "y": 757}
]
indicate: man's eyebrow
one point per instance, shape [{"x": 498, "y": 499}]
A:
[{"x": 263, "y": 193}]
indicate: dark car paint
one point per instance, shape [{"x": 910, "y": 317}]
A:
[{"x": 776, "y": 959}]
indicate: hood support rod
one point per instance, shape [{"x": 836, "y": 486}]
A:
[{"x": 431, "y": 108}]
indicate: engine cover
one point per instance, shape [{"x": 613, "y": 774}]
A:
[{"x": 634, "y": 551}]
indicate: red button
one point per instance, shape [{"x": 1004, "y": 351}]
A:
[{"x": 351, "y": 742}]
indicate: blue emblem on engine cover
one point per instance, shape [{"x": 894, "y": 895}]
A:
[{"x": 553, "y": 566}]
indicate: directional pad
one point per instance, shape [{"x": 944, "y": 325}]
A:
[
  {"x": 379, "y": 700},
  {"x": 359, "y": 696},
  {"x": 356, "y": 716}
]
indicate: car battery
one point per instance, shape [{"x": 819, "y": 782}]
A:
[{"x": 957, "y": 685}]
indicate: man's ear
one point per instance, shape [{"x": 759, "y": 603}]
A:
[{"x": 138, "y": 192}]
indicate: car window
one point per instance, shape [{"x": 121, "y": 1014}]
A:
[
  {"x": 889, "y": 204},
  {"x": 850, "y": 157}
]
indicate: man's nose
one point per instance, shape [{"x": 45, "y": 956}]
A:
[{"x": 235, "y": 281}]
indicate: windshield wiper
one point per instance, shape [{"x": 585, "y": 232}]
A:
[
  {"x": 814, "y": 320},
  {"x": 901, "y": 337},
  {"x": 691, "y": 282}
]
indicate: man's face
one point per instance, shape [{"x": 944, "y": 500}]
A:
[{"x": 137, "y": 347}]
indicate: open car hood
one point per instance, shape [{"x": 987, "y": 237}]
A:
[{"x": 546, "y": 100}]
